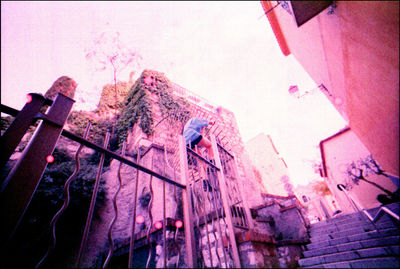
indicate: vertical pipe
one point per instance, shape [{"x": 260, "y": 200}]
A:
[
  {"x": 225, "y": 202},
  {"x": 92, "y": 204}
]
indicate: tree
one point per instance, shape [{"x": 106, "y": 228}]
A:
[
  {"x": 108, "y": 52},
  {"x": 321, "y": 188}
]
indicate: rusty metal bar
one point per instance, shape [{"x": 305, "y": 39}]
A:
[
  {"x": 24, "y": 177},
  {"x": 177, "y": 228},
  {"x": 187, "y": 207},
  {"x": 66, "y": 200},
  {"x": 110, "y": 239},
  {"x": 200, "y": 157},
  {"x": 164, "y": 219},
  {"x": 249, "y": 219},
  {"x": 216, "y": 205},
  {"x": 92, "y": 204},
  {"x": 225, "y": 203},
  {"x": 204, "y": 211},
  {"x": 118, "y": 157},
  {"x": 236, "y": 200},
  {"x": 8, "y": 110},
  {"x": 132, "y": 239},
  {"x": 149, "y": 208},
  {"x": 18, "y": 127},
  {"x": 214, "y": 226},
  {"x": 196, "y": 211}
]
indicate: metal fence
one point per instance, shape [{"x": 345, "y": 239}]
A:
[{"x": 206, "y": 190}]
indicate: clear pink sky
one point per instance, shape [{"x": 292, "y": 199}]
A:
[{"x": 222, "y": 51}]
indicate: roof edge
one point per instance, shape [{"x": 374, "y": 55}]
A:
[{"x": 273, "y": 20}]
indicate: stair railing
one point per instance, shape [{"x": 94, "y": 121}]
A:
[{"x": 356, "y": 203}]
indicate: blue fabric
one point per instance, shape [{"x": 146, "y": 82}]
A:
[{"x": 192, "y": 129}]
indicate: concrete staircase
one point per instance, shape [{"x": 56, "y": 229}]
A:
[{"x": 351, "y": 241}]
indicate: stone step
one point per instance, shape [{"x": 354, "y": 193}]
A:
[
  {"x": 353, "y": 222},
  {"x": 323, "y": 236},
  {"x": 361, "y": 226},
  {"x": 380, "y": 262},
  {"x": 368, "y": 243},
  {"x": 353, "y": 238},
  {"x": 387, "y": 251},
  {"x": 357, "y": 215},
  {"x": 353, "y": 216}
]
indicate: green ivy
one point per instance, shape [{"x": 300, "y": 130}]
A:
[
  {"x": 111, "y": 99},
  {"x": 99, "y": 127},
  {"x": 138, "y": 105}
]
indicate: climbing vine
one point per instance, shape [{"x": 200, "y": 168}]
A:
[{"x": 138, "y": 104}]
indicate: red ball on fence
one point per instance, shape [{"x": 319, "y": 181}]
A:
[
  {"x": 158, "y": 225},
  {"x": 50, "y": 158},
  {"x": 28, "y": 98},
  {"x": 178, "y": 224},
  {"x": 139, "y": 219}
]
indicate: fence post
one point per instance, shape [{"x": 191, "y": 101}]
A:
[
  {"x": 187, "y": 207},
  {"x": 224, "y": 195},
  {"x": 23, "y": 179},
  {"x": 18, "y": 127}
]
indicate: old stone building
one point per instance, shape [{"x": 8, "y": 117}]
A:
[{"x": 151, "y": 121}]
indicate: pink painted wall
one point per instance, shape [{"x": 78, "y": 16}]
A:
[
  {"x": 355, "y": 54},
  {"x": 341, "y": 150}
]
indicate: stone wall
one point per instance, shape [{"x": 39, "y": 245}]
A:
[
  {"x": 282, "y": 218},
  {"x": 149, "y": 199},
  {"x": 150, "y": 203}
]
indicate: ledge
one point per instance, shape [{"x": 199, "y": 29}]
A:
[
  {"x": 292, "y": 242},
  {"x": 247, "y": 236}
]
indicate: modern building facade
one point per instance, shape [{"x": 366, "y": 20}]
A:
[{"x": 351, "y": 50}]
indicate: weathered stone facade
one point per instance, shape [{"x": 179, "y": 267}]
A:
[{"x": 158, "y": 151}]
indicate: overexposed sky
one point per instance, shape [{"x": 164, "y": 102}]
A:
[{"x": 224, "y": 51}]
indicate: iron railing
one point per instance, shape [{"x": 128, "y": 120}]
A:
[
  {"x": 41, "y": 146},
  {"x": 212, "y": 204},
  {"x": 359, "y": 208}
]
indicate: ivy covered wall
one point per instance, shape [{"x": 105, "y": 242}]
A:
[{"x": 151, "y": 88}]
